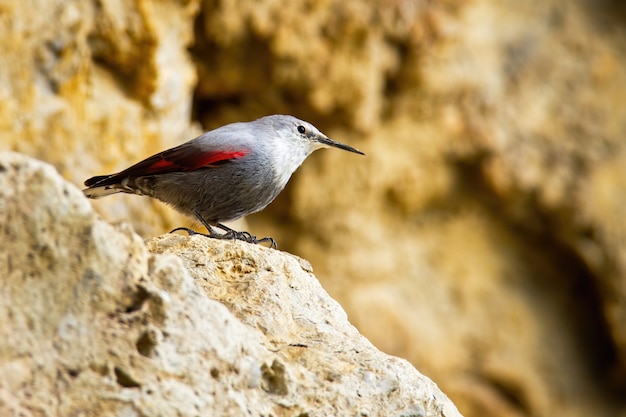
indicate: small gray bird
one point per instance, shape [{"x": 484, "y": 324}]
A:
[{"x": 224, "y": 174}]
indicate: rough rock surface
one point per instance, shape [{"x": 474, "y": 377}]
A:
[
  {"x": 87, "y": 85},
  {"x": 95, "y": 323},
  {"x": 486, "y": 224}
]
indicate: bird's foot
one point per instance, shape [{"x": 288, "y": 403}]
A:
[
  {"x": 247, "y": 237},
  {"x": 231, "y": 234}
]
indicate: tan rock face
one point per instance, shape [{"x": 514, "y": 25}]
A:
[
  {"x": 95, "y": 323},
  {"x": 482, "y": 237},
  {"x": 90, "y": 86}
]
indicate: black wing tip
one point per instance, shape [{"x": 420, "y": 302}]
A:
[{"x": 95, "y": 180}]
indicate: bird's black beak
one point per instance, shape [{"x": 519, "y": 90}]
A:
[{"x": 329, "y": 142}]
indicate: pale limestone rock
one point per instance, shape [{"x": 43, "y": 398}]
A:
[
  {"x": 94, "y": 323},
  {"x": 486, "y": 224}
]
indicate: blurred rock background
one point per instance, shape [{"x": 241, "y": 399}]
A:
[{"x": 483, "y": 237}]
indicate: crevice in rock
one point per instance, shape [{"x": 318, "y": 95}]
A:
[
  {"x": 222, "y": 91},
  {"x": 607, "y": 15},
  {"x": 274, "y": 378},
  {"x": 124, "y": 379},
  {"x": 146, "y": 344},
  {"x": 139, "y": 298},
  {"x": 514, "y": 395},
  {"x": 574, "y": 287}
]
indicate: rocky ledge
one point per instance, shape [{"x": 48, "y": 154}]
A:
[{"x": 94, "y": 321}]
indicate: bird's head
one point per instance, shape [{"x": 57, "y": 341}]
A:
[{"x": 303, "y": 135}]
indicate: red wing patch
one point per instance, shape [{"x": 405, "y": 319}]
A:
[
  {"x": 161, "y": 164},
  {"x": 215, "y": 157},
  {"x": 180, "y": 160},
  {"x": 183, "y": 158}
]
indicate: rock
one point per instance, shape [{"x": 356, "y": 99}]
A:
[
  {"x": 89, "y": 86},
  {"x": 486, "y": 223},
  {"x": 97, "y": 322}
]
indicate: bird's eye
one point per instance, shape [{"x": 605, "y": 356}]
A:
[{"x": 301, "y": 129}]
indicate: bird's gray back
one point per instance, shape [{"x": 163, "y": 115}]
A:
[{"x": 230, "y": 190}]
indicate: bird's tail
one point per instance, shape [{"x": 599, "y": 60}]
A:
[
  {"x": 99, "y": 187},
  {"x": 97, "y": 179},
  {"x": 100, "y": 191}
]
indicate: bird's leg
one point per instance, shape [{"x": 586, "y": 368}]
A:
[
  {"x": 230, "y": 233},
  {"x": 212, "y": 233}
]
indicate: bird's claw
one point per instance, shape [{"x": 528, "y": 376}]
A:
[
  {"x": 232, "y": 234},
  {"x": 268, "y": 239},
  {"x": 249, "y": 238},
  {"x": 189, "y": 231}
]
